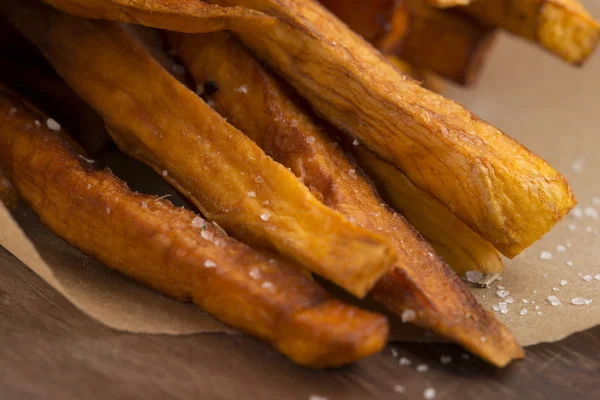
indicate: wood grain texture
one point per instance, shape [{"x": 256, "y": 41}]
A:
[{"x": 51, "y": 350}]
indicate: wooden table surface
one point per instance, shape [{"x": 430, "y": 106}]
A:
[{"x": 50, "y": 350}]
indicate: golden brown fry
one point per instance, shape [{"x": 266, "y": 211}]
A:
[
  {"x": 458, "y": 245},
  {"x": 8, "y": 194},
  {"x": 260, "y": 106},
  {"x": 154, "y": 118},
  {"x": 498, "y": 188},
  {"x": 564, "y": 27},
  {"x": 178, "y": 253},
  {"x": 452, "y": 45},
  {"x": 448, "y": 3},
  {"x": 178, "y": 15},
  {"x": 429, "y": 80}
]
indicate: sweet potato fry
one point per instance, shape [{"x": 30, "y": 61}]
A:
[
  {"x": 452, "y": 45},
  {"x": 429, "y": 80},
  {"x": 458, "y": 245},
  {"x": 177, "y": 252},
  {"x": 156, "y": 119},
  {"x": 259, "y": 105},
  {"x": 563, "y": 27},
  {"x": 497, "y": 187}
]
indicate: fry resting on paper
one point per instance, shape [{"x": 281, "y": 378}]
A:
[
  {"x": 564, "y": 27},
  {"x": 259, "y": 105},
  {"x": 156, "y": 119},
  {"x": 177, "y": 252}
]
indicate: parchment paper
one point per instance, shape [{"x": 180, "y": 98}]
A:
[{"x": 552, "y": 108}]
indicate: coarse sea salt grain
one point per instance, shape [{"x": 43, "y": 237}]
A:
[
  {"x": 555, "y": 289},
  {"x": 474, "y": 276},
  {"x": 588, "y": 278},
  {"x": 310, "y": 139},
  {"x": 422, "y": 368},
  {"x": 254, "y": 273},
  {"x": 399, "y": 389},
  {"x": 537, "y": 308},
  {"x": 569, "y": 263},
  {"x": 210, "y": 264},
  {"x": 265, "y": 216},
  {"x": 525, "y": 301},
  {"x": 404, "y": 362},
  {"x": 206, "y": 235},
  {"x": 509, "y": 300},
  {"x": 251, "y": 194},
  {"x": 394, "y": 353},
  {"x": 445, "y": 359},
  {"x": 408, "y": 315},
  {"x": 52, "y": 125},
  {"x": 577, "y": 165},
  {"x": 563, "y": 283},
  {"x": 243, "y": 89},
  {"x": 429, "y": 394},
  {"x": 554, "y": 301},
  {"x": 267, "y": 285},
  {"x": 523, "y": 311},
  {"x": 352, "y": 173},
  {"x": 597, "y": 277},
  {"x": 576, "y": 212},
  {"x": 590, "y": 212},
  {"x": 545, "y": 255},
  {"x": 198, "y": 222},
  {"x": 580, "y": 301},
  {"x": 589, "y": 229},
  {"x": 560, "y": 248},
  {"x": 572, "y": 227},
  {"x": 165, "y": 173},
  {"x": 502, "y": 293},
  {"x": 317, "y": 397},
  {"x": 355, "y": 142}
]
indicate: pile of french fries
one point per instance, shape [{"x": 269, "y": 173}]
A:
[{"x": 283, "y": 127}]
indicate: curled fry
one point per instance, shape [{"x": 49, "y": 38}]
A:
[
  {"x": 154, "y": 118},
  {"x": 563, "y": 27},
  {"x": 259, "y": 105},
  {"x": 177, "y": 252}
]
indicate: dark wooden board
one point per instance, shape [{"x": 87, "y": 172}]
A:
[{"x": 50, "y": 350}]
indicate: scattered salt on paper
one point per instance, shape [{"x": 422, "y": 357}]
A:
[
  {"x": 394, "y": 353},
  {"x": 563, "y": 283},
  {"x": 580, "y": 301},
  {"x": 474, "y": 276},
  {"x": 590, "y": 212},
  {"x": 422, "y": 368},
  {"x": 577, "y": 165},
  {"x": 576, "y": 212},
  {"x": 569, "y": 263},
  {"x": 404, "y": 362},
  {"x": 596, "y": 201},
  {"x": 555, "y": 289},
  {"x": 572, "y": 227},
  {"x": 523, "y": 311},
  {"x": 509, "y": 300},
  {"x": 317, "y": 397},
  {"x": 545, "y": 255},
  {"x": 560, "y": 248},
  {"x": 588, "y": 278},
  {"x": 502, "y": 293},
  {"x": 399, "y": 389},
  {"x": 554, "y": 301}
]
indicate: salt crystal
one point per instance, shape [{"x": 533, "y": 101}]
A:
[
  {"x": 509, "y": 300},
  {"x": 563, "y": 283},
  {"x": 251, "y": 194},
  {"x": 445, "y": 360},
  {"x": 399, "y": 389},
  {"x": 267, "y": 285},
  {"x": 499, "y": 278},
  {"x": 591, "y": 212},
  {"x": 243, "y": 89},
  {"x": 525, "y": 301},
  {"x": 52, "y": 125},
  {"x": 310, "y": 139},
  {"x": 259, "y": 179},
  {"x": 145, "y": 207},
  {"x": 588, "y": 278},
  {"x": 165, "y": 173},
  {"x": 553, "y": 300},
  {"x": 429, "y": 394},
  {"x": 394, "y": 353},
  {"x": 317, "y": 397},
  {"x": 37, "y": 123},
  {"x": 206, "y": 235},
  {"x": 546, "y": 275},
  {"x": 422, "y": 368},
  {"x": 523, "y": 312},
  {"x": 12, "y": 111},
  {"x": 576, "y": 212},
  {"x": 572, "y": 227},
  {"x": 352, "y": 173},
  {"x": 569, "y": 263},
  {"x": 404, "y": 362},
  {"x": 579, "y": 301},
  {"x": 500, "y": 287},
  {"x": 537, "y": 308},
  {"x": 483, "y": 339},
  {"x": 560, "y": 248},
  {"x": 545, "y": 255},
  {"x": 539, "y": 313},
  {"x": 597, "y": 277},
  {"x": 596, "y": 201},
  {"x": 108, "y": 210},
  {"x": 588, "y": 301},
  {"x": 589, "y": 229},
  {"x": 198, "y": 223},
  {"x": 408, "y": 315},
  {"x": 555, "y": 289},
  {"x": 265, "y": 216},
  {"x": 210, "y": 264},
  {"x": 474, "y": 276},
  {"x": 502, "y": 293},
  {"x": 577, "y": 165},
  {"x": 254, "y": 273},
  {"x": 355, "y": 142}
]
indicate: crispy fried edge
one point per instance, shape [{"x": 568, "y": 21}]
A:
[
  {"x": 283, "y": 214},
  {"x": 169, "y": 249},
  {"x": 432, "y": 140},
  {"x": 563, "y": 27},
  {"x": 256, "y": 103}
]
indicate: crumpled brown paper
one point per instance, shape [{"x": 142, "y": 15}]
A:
[{"x": 549, "y": 106}]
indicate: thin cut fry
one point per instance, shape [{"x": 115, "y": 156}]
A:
[
  {"x": 564, "y": 27},
  {"x": 458, "y": 245},
  {"x": 452, "y": 45},
  {"x": 260, "y": 106},
  {"x": 497, "y": 187},
  {"x": 154, "y": 118},
  {"x": 178, "y": 253}
]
